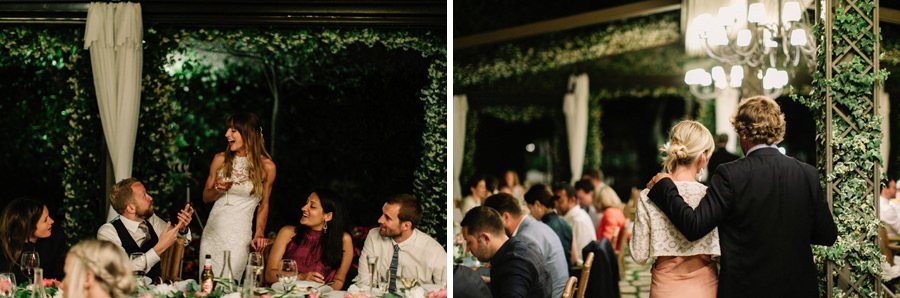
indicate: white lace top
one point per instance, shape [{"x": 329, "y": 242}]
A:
[{"x": 654, "y": 234}]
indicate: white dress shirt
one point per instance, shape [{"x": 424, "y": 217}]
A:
[
  {"x": 889, "y": 215},
  {"x": 420, "y": 257},
  {"x": 583, "y": 231},
  {"x": 108, "y": 232}
]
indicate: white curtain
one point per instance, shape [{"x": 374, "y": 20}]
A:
[
  {"x": 726, "y": 104},
  {"x": 575, "y": 107},
  {"x": 460, "y": 109},
  {"x": 114, "y": 32}
]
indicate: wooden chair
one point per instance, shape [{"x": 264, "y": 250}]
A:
[
  {"x": 623, "y": 247},
  {"x": 585, "y": 275},
  {"x": 170, "y": 262},
  {"x": 887, "y": 248},
  {"x": 569, "y": 291}
]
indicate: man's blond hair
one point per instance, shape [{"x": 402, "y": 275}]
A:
[
  {"x": 121, "y": 194},
  {"x": 759, "y": 120}
]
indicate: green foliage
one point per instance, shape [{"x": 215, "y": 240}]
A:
[
  {"x": 70, "y": 135},
  {"x": 854, "y": 142},
  {"x": 174, "y": 119},
  {"x": 516, "y": 59}
]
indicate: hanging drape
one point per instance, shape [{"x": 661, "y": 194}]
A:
[
  {"x": 113, "y": 34},
  {"x": 575, "y": 107},
  {"x": 460, "y": 109}
]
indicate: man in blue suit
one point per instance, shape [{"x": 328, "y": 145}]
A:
[{"x": 533, "y": 233}]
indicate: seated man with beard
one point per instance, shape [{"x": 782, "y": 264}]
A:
[
  {"x": 138, "y": 230},
  {"x": 401, "y": 249}
]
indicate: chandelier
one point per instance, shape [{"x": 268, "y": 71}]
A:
[{"x": 768, "y": 42}]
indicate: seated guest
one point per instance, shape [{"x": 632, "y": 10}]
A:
[
  {"x": 612, "y": 219},
  {"x": 533, "y": 232},
  {"x": 137, "y": 229},
  {"x": 540, "y": 202},
  {"x": 97, "y": 269},
  {"x": 887, "y": 211},
  {"x": 400, "y": 247},
  {"x": 583, "y": 231},
  {"x": 517, "y": 268},
  {"x": 584, "y": 193},
  {"x": 478, "y": 192},
  {"x": 320, "y": 244},
  {"x": 25, "y": 225}
]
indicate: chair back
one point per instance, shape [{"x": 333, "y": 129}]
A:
[
  {"x": 569, "y": 291},
  {"x": 884, "y": 244},
  {"x": 622, "y": 244},
  {"x": 585, "y": 274},
  {"x": 170, "y": 262}
]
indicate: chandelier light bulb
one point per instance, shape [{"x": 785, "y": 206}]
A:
[
  {"x": 798, "y": 37},
  {"x": 728, "y": 16},
  {"x": 737, "y": 71},
  {"x": 767, "y": 39},
  {"x": 697, "y": 76},
  {"x": 757, "y": 14},
  {"x": 743, "y": 37},
  {"x": 791, "y": 12},
  {"x": 718, "y": 36}
]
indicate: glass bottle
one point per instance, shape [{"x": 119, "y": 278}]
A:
[
  {"x": 227, "y": 275},
  {"x": 206, "y": 278},
  {"x": 37, "y": 288}
]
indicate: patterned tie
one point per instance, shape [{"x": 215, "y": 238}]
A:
[
  {"x": 393, "y": 282},
  {"x": 146, "y": 231}
]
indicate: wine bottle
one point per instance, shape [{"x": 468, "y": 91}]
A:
[{"x": 206, "y": 279}]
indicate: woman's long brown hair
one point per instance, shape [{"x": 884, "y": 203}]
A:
[
  {"x": 247, "y": 124},
  {"x": 17, "y": 222}
]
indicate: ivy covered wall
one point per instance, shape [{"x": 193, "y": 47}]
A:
[{"x": 187, "y": 95}]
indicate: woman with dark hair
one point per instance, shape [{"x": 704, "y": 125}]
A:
[
  {"x": 239, "y": 184},
  {"x": 25, "y": 225},
  {"x": 321, "y": 244}
]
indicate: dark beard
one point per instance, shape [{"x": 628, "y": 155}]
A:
[{"x": 384, "y": 233}]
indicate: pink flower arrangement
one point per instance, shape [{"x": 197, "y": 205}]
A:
[
  {"x": 264, "y": 296},
  {"x": 146, "y": 295},
  {"x": 442, "y": 293},
  {"x": 360, "y": 295},
  {"x": 5, "y": 286},
  {"x": 49, "y": 282}
]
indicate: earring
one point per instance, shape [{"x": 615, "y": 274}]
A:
[{"x": 325, "y": 228}]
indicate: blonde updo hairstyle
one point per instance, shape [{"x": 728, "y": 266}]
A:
[
  {"x": 687, "y": 140},
  {"x": 759, "y": 120},
  {"x": 108, "y": 264}
]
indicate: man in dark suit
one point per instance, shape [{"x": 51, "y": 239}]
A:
[
  {"x": 720, "y": 156},
  {"x": 533, "y": 232},
  {"x": 769, "y": 208},
  {"x": 517, "y": 269}
]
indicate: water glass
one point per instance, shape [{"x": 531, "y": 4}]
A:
[
  {"x": 288, "y": 273},
  {"x": 29, "y": 261},
  {"x": 255, "y": 265},
  {"x": 7, "y": 284},
  {"x": 139, "y": 267}
]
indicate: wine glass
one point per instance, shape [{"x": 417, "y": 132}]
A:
[
  {"x": 372, "y": 260},
  {"x": 288, "y": 273},
  {"x": 139, "y": 266},
  {"x": 255, "y": 265},
  {"x": 7, "y": 284},
  {"x": 29, "y": 261},
  {"x": 228, "y": 183}
]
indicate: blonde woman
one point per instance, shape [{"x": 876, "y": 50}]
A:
[
  {"x": 239, "y": 184},
  {"x": 97, "y": 269},
  {"x": 682, "y": 268}
]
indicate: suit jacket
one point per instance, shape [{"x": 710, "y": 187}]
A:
[
  {"x": 517, "y": 270},
  {"x": 769, "y": 208},
  {"x": 548, "y": 245},
  {"x": 603, "y": 280}
]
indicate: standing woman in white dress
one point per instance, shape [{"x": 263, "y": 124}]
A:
[{"x": 239, "y": 184}]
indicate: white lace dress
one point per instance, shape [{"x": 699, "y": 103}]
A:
[
  {"x": 654, "y": 234},
  {"x": 230, "y": 222}
]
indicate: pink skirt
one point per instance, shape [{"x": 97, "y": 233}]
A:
[{"x": 672, "y": 278}]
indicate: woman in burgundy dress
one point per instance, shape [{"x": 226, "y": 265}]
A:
[{"x": 320, "y": 244}]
